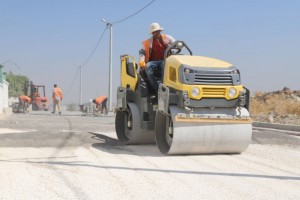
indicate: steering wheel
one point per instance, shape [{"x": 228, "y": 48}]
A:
[
  {"x": 176, "y": 48},
  {"x": 174, "y": 51}
]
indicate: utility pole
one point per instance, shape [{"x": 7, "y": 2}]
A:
[
  {"x": 109, "y": 25},
  {"x": 80, "y": 87},
  {"x": 80, "y": 84}
]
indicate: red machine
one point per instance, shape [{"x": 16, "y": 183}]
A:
[{"x": 39, "y": 102}]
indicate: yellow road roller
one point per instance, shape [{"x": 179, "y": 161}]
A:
[{"x": 201, "y": 106}]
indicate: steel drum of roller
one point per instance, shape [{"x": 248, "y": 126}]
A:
[{"x": 205, "y": 131}]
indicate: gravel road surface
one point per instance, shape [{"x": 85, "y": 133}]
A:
[{"x": 73, "y": 157}]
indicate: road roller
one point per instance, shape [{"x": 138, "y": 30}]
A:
[{"x": 201, "y": 106}]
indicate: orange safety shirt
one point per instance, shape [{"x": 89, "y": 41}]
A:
[
  {"x": 25, "y": 98},
  {"x": 57, "y": 93},
  {"x": 148, "y": 45},
  {"x": 100, "y": 99}
]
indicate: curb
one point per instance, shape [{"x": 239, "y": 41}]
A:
[
  {"x": 287, "y": 127},
  {"x": 68, "y": 114}
]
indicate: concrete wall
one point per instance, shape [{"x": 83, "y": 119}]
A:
[
  {"x": 3, "y": 92},
  {"x": 3, "y": 96}
]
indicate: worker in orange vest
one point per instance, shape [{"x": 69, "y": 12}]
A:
[
  {"x": 152, "y": 52},
  {"x": 24, "y": 102},
  {"x": 101, "y": 102},
  {"x": 57, "y": 97}
]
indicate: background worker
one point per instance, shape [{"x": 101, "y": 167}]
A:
[
  {"x": 57, "y": 97},
  {"x": 152, "y": 52},
  {"x": 101, "y": 102},
  {"x": 24, "y": 102}
]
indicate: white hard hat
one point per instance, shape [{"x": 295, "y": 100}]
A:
[{"x": 155, "y": 27}]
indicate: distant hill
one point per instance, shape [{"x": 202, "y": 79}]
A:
[{"x": 282, "y": 106}]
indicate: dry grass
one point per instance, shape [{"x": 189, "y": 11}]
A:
[{"x": 284, "y": 102}]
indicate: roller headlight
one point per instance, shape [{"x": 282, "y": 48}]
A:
[
  {"x": 232, "y": 92},
  {"x": 235, "y": 71},
  {"x": 187, "y": 71},
  {"x": 195, "y": 92}
]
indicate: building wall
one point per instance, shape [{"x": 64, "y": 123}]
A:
[
  {"x": 3, "y": 96},
  {"x": 3, "y": 91}
]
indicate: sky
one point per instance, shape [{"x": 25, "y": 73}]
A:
[{"x": 47, "y": 40}]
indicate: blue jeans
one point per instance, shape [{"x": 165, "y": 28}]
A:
[{"x": 150, "y": 66}]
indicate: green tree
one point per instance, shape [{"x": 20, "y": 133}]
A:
[{"x": 16, "y": 84}]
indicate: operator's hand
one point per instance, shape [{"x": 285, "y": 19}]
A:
[{"x": 142, "y": 63}]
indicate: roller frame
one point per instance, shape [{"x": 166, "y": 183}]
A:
[{"x": 180, "y": 124}]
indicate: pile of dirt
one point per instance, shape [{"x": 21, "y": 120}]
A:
[{"x": 282, "y": 106}]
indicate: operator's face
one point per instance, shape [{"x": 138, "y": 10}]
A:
[{"x": 156, "y": 34}]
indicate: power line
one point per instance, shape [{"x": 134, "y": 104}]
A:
[
  {"x": 86, "y": 61},
  {"x": 12, "y": 62},
  {"x": 73, "y": 81},
  {"x": 93, "y": 51},
  {"x": 110, "y": 25},
  {"x": 134, "y": 13}
]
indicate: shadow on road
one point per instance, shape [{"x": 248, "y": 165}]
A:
[
  {"x": 169, "y": 171},
  {"x": 114, "y": 146}
]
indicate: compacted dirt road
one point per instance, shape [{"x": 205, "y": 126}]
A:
[{"x": 73, "y": 157}]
